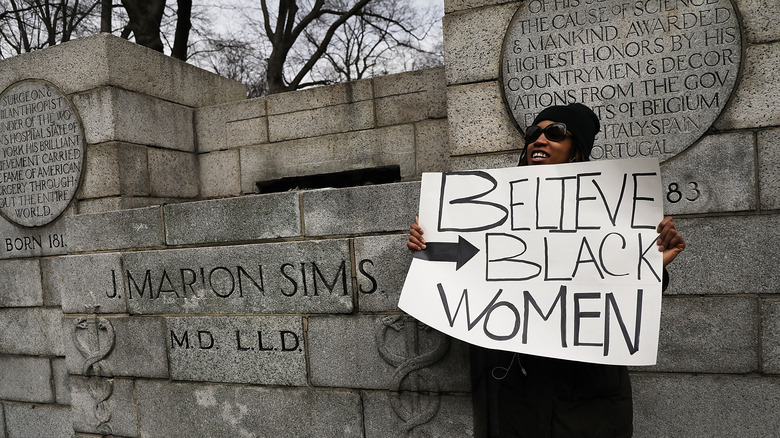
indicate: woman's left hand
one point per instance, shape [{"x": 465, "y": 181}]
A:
[{"x": 669, "y": 240}]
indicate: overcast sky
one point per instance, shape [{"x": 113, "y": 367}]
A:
[{"x": 230, "y": 19}]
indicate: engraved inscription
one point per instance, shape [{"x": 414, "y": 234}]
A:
[
  {"x": 240, "y": 349},
  {"x": 305, "y": 279},
  {"x": 688, "y": 192},
  {"x": 34, "y": 242},
  {"x": 657, "y": 72},
  {"x": 41, "y": 153}
]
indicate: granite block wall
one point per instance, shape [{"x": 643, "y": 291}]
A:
[
  {"x": 716, "y": 373},
  {"x": 171, "y": 299},
  {"x": 396, "y": 120},
  {"x": 246, "y": 314}
]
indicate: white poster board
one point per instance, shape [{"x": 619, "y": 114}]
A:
[{"x": 558, "y": 260}]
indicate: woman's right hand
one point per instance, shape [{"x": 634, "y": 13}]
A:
[{"x": 416, "y": 240}]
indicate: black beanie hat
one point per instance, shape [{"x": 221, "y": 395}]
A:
[{"x": 580, "y": 120}]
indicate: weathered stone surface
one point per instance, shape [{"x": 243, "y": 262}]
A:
[
  {"x": 769, "y": 169},
  {"x": 137, "y": 68},
  {"x": 381, "y": 263},
  {"x": 235, "y": 219},
  {"x": 320, "y": 97},
  {"x": 86, "y": 281},
  {"x": 112, "y": 114},
  {"x": 333, "y": 153},
  {"x": 231, "y": 125},
  {"x": 291, "y": 277},
  {"x": 43, "y": 152},
  {"x": 408, "y": 108},
  {"x": 359, "y": 352},
  {"x": 26, "y": 379},
  {"x": 315, "y": 122},
  {"x": 417, "y": 81},
  {"x": 21, "y": 286},
  {"x": 220, "y": 174},
  {"x": 177, "y": 409},
  {"x": 478, "y": 120},
  {"x": 115, "y": 169},
  {"x": 452, "y": 415},
  {"x": 492, "y": 161},
  {"x": 357, "y": 210},
  {"x": 104, "y": 205},
  {"x": 712, "y": 264},
  {"x": 457, "y": 5},
  {"x": 472, "y": 48},
  {"x": 105, "y": 59},
  {"x": 410, "y": 97},
  {"x": 2, "y": 422},
  {"x": 770, "y": 336},
  {"x": 705, "y": 406},
  {"x": 61, "y": 381},
  {"x": 117, "y": 412},
  {"x": 758, "y": 20},
  {"x": 755, "y": 99},
  {"x": 101, "y": 205},
  {"x": 432, "y": 141},
  {"x": 33, "y": 331},
  {"x": 265, "y": 350},
  {"x": 139, "y": 347},
  {"x": 680, "y": 78},
  {"x": 102, "y": 175},
  {"x": 173, "y": 174},
  {"x": 715, "y": 175},
  {"x": 37, "y": 421},
  {"x": 137, "y": 228},
  {"x": 18, "y": 241},
  {"x": 695, "y": 330}
]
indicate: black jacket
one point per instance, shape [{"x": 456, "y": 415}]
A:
[{"x": 539, "y": 397}]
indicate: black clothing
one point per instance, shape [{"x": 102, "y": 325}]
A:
[
  {"x": 560, "y": 398},
  {"x": 540, "y": 397}
]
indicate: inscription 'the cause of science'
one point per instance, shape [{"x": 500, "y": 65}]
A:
[
  {"x": 656, "y": 72},
  {"x": 41, "y": 153}
]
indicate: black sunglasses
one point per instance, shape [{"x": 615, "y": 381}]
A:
[{"x": 553, "y": 132}]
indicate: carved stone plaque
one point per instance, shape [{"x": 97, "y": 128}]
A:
[
  {"x": 656, "y": 72},
  {"x": 41, "y": 153}
]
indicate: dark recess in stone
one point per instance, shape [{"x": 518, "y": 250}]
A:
[{"x": 347, "y": 178}]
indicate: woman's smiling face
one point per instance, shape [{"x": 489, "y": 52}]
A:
[{"x": 545, "y": 151}]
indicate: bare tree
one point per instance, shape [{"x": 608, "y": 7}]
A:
[
  {"x": 106, "y": 8},
  {"x": 238, "y": 60},
  {"x": 144, "y": 21},
  {"x": 317, "y": 42},
  {"x": 287, "y": 44},
  {"x": 183, "y": 27},
  {"x": 287, "y": 27},
  {"x": 383, "y": 37},
  {"x": 27, "y": 25}
]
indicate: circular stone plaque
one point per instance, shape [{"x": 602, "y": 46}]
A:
[
  {"x": 41, "y": 153},
  {"x": 656, "y": 72}
]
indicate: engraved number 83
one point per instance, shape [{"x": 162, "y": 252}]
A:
[{"x": 674, "y": 195}]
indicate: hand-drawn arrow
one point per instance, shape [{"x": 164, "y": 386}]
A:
[{"x": 460, "y": 252}]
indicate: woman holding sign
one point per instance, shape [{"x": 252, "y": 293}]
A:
[{"x": 534, "y": 396}]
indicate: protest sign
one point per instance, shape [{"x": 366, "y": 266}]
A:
[{"x": 558, "y": 261}]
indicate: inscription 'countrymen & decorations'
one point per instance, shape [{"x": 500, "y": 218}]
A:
[{"x": 656, "y": 72}]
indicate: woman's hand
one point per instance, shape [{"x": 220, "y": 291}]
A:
[
  {"x": 670, "y": 242},
  {"x": 416, "y": 240}
]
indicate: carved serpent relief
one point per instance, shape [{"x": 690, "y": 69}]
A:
[
  {"x": 412, "y": 365},
  {"x": 94, "y": 338}
]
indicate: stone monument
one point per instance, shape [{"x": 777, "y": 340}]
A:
[
  {"x": 148, "y": 290},
  {"x": 42, "y": 140},
  {"x": 657, "y": 73}
]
